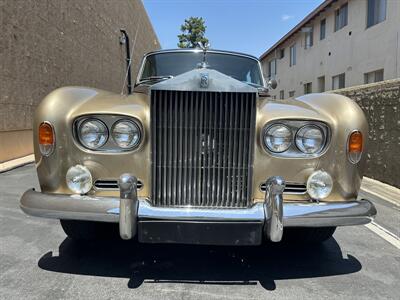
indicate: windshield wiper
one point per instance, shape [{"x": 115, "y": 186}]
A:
[
  {"x": 262, "y": 90},
  {"x": 256, "y": 85},
  {"x": 154, "y": 78}
]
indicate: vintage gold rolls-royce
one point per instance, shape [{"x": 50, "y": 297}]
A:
[{"x": 199, "y": 154}]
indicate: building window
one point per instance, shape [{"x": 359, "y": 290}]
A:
[
  {"x": 272, "y": 68},
  {"x": 308, "y": 88},
  {"x": 341, "y": 17},
  {"x": 282, "y": 94},
  {"x": 376, "y": 12},
  {"x": 338, "y": 81},
  {"x": 321, "y": 84},
  {"x": 374, "y": 76},
  {"x": 293, "y": 55},
  {"x": 308, "y": 38},
  {"x": 282, "y": 53},
  {"x": 291, "y": 94},
  {"x": 273, "y": 97},
  {"x": 322, "y": 29}
]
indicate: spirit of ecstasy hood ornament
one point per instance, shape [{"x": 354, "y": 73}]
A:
[
  {"x": 204, "y": 82},
  {"x": 203, "y": 47}
]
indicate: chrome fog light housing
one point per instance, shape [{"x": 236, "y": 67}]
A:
[
  {"x": 319, "y": 185},
  {"x": 126, "y": 134},
  {"x": 278, "y": 138},
  {"x": 79, "y": 179}
]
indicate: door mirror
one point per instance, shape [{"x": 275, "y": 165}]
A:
[{"x": 272, "y": 84}]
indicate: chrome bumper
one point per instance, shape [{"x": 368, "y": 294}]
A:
[{"x": 156, "y": 224}]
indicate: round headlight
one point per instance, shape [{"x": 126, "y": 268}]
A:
[
  {"x": 310, "y": 139},
  {"x": 126, "y": 134},
  {"x": 79, "y": 179},
  {"x": 278, "y": 138},
  {"x": 319, "y": 185},
  {"x": 93, "y": 133}
]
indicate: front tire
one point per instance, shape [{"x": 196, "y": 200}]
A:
[
  {"x": 308, "y": 234},
  {"x": 88, "y": 230}
]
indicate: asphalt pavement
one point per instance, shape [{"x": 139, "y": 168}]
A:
[{"x": 37, "y": 261}]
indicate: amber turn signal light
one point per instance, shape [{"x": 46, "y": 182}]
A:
[
  {"x": 46, "y": 138},
  {"x": 46, "y": 135},
  {"x": 355, "y": 146}
]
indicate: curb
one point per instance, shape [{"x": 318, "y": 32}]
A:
[
  {"x": 15, "y": 163},
  {"x": 382, "y": 190}
]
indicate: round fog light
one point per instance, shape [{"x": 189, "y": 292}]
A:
[
  {"x": 79, "y": 179},
  {"x": 319, "y": 185}
]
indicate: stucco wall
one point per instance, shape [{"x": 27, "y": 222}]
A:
[
  {"x": 381, "y": 104},
  {"x": 47, "y": 44}
]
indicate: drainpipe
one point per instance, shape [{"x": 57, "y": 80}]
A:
[{"x": 125, "y": 40}]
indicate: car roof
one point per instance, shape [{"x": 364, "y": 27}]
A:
[{"x": 200, "y": 50}]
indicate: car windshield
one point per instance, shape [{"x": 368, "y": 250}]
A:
[{"x": 165, "y": 65}]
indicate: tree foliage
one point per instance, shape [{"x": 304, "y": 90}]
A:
[{"x": 193, "y": 31}]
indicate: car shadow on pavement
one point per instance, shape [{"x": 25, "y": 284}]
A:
[{"x": 223, "y": 265}]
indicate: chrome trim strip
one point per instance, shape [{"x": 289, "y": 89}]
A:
[
  {"x": 111, "y": 184},
  {"x": 253, "y": 214},
  {"x": 291, "y": 188},
  {"x": 106, "y": 209},
  {"x": 140, "y": 72}
]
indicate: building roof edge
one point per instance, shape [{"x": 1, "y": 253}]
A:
[{"x": 303, "y": 22}]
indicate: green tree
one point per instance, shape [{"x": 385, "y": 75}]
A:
[{"x": 193, "y": 31}]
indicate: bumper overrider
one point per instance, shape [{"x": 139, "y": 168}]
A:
[{"x": 228, "y": 226}]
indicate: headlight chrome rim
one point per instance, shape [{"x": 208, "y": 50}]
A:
[
  {"x": 269, "y": 146},
  {"x": 84, "y": 143},
  {"x": 139, "y": 131},
  {"x": 300, "y": 144}
]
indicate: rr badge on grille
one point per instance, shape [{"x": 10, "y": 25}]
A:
[{"x": 204, "y": 80}]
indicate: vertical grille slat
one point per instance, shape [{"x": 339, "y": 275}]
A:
[
  {"x": 234, "y": 190},
  {"x": 202, "y": 146}
]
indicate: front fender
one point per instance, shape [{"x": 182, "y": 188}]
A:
[
  {"x": 341, "y": 114},
  {"x": 61, "y": 108}
]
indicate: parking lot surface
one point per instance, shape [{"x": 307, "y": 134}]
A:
[{"x": 37, "y": 261}]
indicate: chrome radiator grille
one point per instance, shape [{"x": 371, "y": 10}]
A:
[{"x": 202, "y": 148}]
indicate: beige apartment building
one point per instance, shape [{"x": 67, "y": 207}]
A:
[{"x": 341, "y": 43}]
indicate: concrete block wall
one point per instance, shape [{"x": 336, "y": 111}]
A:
[
  {"x": 381, "y": 105},
  {"x": 46, "y": 44}
]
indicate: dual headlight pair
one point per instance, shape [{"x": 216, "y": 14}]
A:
[
  {"x": 108, "y": 133},
  {"x": 295, "y": 136}
]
